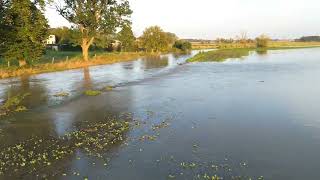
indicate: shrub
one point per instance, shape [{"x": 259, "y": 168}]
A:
[
  {"x": 182, "y": 45},
  {"x": 262, "y": 41}
]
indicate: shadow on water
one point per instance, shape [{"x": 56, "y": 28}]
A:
[
  {"x": 262, "y": 52},
  {"x": 26, "y": 84},
  {"x": 151, "y": 62},
  {"x": 87, "y": 82}
]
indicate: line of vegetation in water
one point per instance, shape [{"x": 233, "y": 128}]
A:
[{"x": 221, "y": 55}]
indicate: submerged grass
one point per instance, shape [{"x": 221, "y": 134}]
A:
[
  {"x": 13, "y": 104},
  {"x": 92, "y": 93},
  {"x": 219, "y": 55}
]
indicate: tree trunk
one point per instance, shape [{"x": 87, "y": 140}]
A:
[
  {"x": 85, "y": 52},
  {"x": 86, "y": 42},
  {"x": 22, "y": 62}
]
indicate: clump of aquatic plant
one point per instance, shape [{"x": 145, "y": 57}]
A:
[
  {"x": 21, "y": 109},
  {"x": 109, "y": 88},
  {"x": 171, "y": 176},
  {"x": 163, "y": 124},
  {"x": 13, "y": 103},
  {"x": 214, "y": 177},
  {"x": 61, "y": 94},
  {"x": 92, "y": 93},
  {"x": 186, "y": 165},
  {"x": 148, "y": 138}
]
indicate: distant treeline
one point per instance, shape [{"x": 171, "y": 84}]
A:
[
  {"x": 237, "y": 39},
  {"x": 153, "y": 39},
  {"x": 309, "y": 39}
]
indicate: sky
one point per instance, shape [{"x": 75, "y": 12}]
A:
[{"x": 211, "y": 19}]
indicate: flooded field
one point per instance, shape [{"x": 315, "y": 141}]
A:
[{"x": 256, "y": 117}]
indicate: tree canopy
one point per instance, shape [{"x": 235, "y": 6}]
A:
[
  {"x": 95, "y": 18},
  {"x": 154, "y": 39},
  {"x": 126, "y": 37},
  {"x": 25, "y": 29},
  {"x": 309, "y": 39}
]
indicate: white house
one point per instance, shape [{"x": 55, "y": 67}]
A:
[{"x": 51, "y": 40}]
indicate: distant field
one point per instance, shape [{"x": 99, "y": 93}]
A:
[
  {"x": 272, "y": 44},
  {"x": 200, "y": 45},
  {"x": 292, "y": 44}
]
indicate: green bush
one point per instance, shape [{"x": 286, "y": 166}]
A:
[
  {"x": 262, "y": 41},
  {"x": 182, "y": 45}
]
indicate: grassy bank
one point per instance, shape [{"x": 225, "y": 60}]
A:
[
  {"x": 67, "y": 60},
  {"x": 221, "y": 55}
]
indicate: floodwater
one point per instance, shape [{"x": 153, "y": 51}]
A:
[{"x": 256, "y": 117}]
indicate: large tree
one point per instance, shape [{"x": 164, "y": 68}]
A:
[
  {"x": 3, "y": 23},
  {"x": 95, "y": 18},
  {"x": 154, "y": 39},
  {"x": 25, "y": 31},
  {"x": 126, "y": 37}
]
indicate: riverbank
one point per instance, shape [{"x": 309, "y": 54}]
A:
[
  {"x": 221, "y": 55},
  {"x": 74, "y": 63}
]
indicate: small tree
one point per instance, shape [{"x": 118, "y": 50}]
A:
[
  {"x": 172, "y": 38},
  {"x": 262, "y": 41},
  {"x": 95, "y": 18},
  {"x": 126, "y": 37},
  {"x": 26, "y": 30},
  {"x": 154, "y": 39}
]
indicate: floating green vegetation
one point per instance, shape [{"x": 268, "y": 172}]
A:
[
  {"x": 61, "y": 94},
  {"x": 38, "y": 155},
  {"x": 209, "y": 177},
  {"x": 30, "y": 156},
  {"x": 186, "y": 165},
  {"x": 148, "y": 138},
  {"x": 21, "y": 109},
  {"x": 163, "y": 124},
  {"x": 13, "y": 104},
  {"x": 109, "y": 88},
  {"x": 219, "y": 55},
  {"x": 92, "y": 93}
]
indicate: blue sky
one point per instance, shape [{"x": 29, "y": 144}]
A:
[{"x": 209, "y": 19}]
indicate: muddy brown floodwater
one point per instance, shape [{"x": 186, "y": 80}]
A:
[{"x": 256, "y": 118}]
